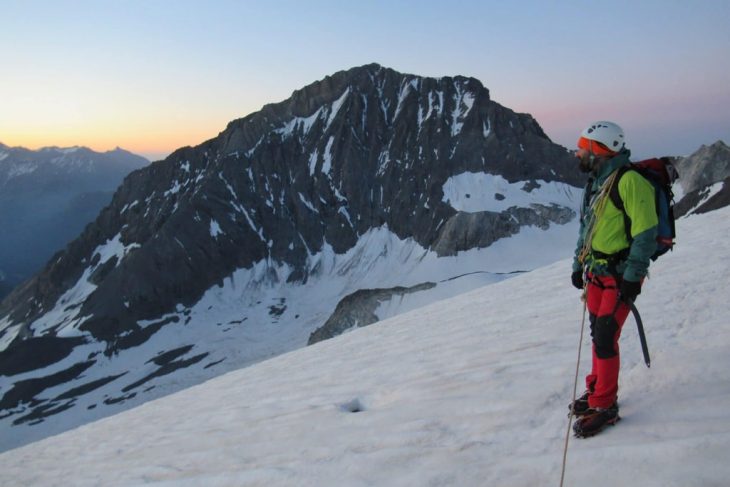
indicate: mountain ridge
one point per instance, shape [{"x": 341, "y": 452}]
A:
[
  {"x": 320, "y": 197},
  {"x": 47, "y": 196}
]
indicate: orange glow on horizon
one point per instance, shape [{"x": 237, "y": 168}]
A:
[
  {"x": 152, "y": 130},
  {"x": 144, "y": 142}
]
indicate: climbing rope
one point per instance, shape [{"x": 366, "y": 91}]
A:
[
  {"x": 575, "y": 386},
  {"x": 598, "y": 205}
]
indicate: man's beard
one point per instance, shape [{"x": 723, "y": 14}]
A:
[{"x": 586, "y": 164}]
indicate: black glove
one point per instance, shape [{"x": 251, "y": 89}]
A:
[
  {"x": 629, "y": 290},
  {"x": 577, "y": 279}
]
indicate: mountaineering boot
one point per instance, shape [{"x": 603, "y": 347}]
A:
[
  {"x": 580, "y": 405},
  {"x": 594, "y": 420}
]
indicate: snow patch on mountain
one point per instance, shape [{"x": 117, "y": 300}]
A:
[
  {"x": 711, "y": 191},
  {"x": 487, "y": 128},
  {"x": 114, "y": 248},
  {"x": 64, "y": 316},
  {"x": 327, "y": 163},
  {"x": 463, "y": 101},
  {"x": 129, "y": 206},
  {"x": 472, "y": 192},
  {"x": 21, "y": 169},
  {"x": 296, "y": 124},
  {"x": 335, "y": 109},
  {"x": 406, "y": 87},
  {"x": 215, "y": 229}
]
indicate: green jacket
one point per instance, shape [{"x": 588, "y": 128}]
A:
[{"x": 609, "y": 236}]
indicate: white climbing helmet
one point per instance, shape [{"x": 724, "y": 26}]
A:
[{"x": 607, "y": 133}]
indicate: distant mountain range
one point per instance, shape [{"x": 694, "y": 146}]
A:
[{"x": 47, "y": 197}]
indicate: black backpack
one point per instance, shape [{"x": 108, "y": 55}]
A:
[{"x": 661, "y": 174}]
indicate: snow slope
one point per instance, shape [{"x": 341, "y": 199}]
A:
[
  {"x": 471, "y": 391},
  {"x": 250, "y": 318}
]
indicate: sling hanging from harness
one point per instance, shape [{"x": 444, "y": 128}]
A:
[{"x": 642, "y": 336}]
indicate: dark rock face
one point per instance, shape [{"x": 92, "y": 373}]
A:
[
  {"x": 704, "y": 199},
  {"x": 43, "y": 351},
  {"x": 358, "y": 310},
  {"x": 464, "y": 231},
  {"x": 362, "y": 149},
  {"x": 708, "y": 165}
]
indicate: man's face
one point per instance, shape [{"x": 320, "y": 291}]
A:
[{"x": 586, "y": 160}]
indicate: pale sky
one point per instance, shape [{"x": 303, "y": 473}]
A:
[{"x": 154, "y": 75}]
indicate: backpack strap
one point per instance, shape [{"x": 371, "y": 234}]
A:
[
  {"x": 587, "y": 197},
  {"x": 615, "y": 197}
]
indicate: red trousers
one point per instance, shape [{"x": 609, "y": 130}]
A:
[{"x": 607, "y": 316}]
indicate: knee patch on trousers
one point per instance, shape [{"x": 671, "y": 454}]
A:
[{"x": 603, "y": 332}]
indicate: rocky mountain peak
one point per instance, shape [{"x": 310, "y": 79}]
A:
[
  {"x": 708, "y": 165},
  {"x": 357, "y": 150},
  {"x": 705, "y": 179}
]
